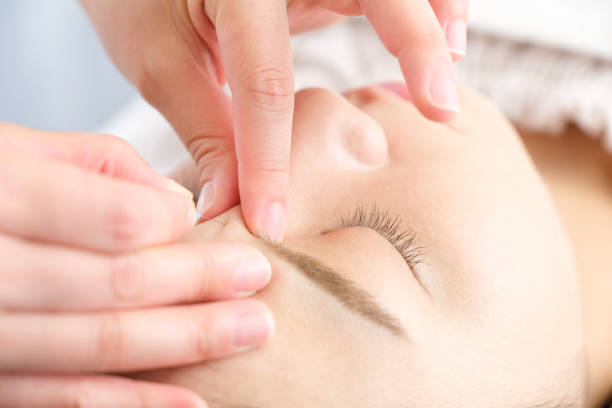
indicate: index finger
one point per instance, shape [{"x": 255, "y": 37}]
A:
[
  {"x": 53, "y": 201},
  {"x": 411, "y": 32},
  {"x": 256, "y": 53}
]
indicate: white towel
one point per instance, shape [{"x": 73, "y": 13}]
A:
[
  {"x": 580, "y": 26},
  {"x": 541, "y": 88}
]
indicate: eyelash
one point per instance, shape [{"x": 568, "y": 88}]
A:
[{"x": 390, "y": 227}]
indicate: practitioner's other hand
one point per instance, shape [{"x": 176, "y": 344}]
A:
[
  {"x": 91, "y": 281},
  {"x": 180, "y": 53}
]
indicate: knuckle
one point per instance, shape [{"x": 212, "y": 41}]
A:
[
  {"x": 115, "y": 149},
  {"x": 114, "y": 143},
  {"x": 269, "y": 87},
  {"x": 265, "y": 169},
  {"x": 202, "y": 342},
  {"x": 127, "y": 278},
  {"x": 426, "y": 40},
  {"x": 123, "y": 221},
  {"x": 210, "y": 152},
  {"x": 205, "y": 284},
  {"x": 110, "y": 342},
  {"x": 430, "y": 40}
]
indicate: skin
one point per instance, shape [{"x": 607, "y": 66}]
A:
[
  {"x": 578, "y": 173},
  {"x": 180, "y": 54},
  {"x": 85, "y": 275},
  {"x": 493, "y": 308},
  {"x": 114, "y": 236}
]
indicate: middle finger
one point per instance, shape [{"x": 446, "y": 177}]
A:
[
  {"x": 132, "y": 340},
  {"x": 46, "y": 277}
]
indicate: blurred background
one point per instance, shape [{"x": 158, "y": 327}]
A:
[
  {"x": 54, "y": 72},
  {"x": 546, "y": 63}
]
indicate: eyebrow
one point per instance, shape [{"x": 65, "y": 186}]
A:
[{"x": 343, "y": 290}]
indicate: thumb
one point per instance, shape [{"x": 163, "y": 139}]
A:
[
  {"x": 172, "y": 58},
  {"x": 187, "y": 91},
  {"x": 216, "y": 164},
  {"x": 200, "y": 112}
]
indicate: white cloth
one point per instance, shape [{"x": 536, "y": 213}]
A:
[
  {"x": 541, "y": 88},
  {"x": 579, "y": 26}
]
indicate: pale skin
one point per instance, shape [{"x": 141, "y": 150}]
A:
[
  {"x": 579, "y": 175},
  {"x": 305, "y": 339},
  {"x": 497, "y": 304},
  {"x": 85, "y": 276},
  {"x": 116, "y": 236}
]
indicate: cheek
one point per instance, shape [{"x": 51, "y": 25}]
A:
[{"x": 512, "y": 300}]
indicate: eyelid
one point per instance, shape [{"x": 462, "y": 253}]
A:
[{"x": 389, "y": 227}]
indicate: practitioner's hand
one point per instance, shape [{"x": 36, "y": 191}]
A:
[
  {"x": 90, "y": 281},
  {"x": 179, "y": 53}
]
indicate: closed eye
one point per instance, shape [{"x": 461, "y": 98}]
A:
[{"x": 389, "y": 227}]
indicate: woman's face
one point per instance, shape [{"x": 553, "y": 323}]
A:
[{"x": 423, "y": 266}]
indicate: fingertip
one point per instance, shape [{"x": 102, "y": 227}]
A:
[
  {"x": 169, "y": 396},
  {"x": 252, "y": 274},
  {"x": 219, "y": 190},
  {"x": 456, "y": 37},
  {"x": 192, "y": 218},
  {"x": 456, "y": 56},
  {"x": 442, "y": 89},
  {"x": 271, "y": 221},
  {"x": 253, "y": 328},
  {"x": 436, "y": 114},
  {"x": 205, "y": 200},
  {"x": 193, "y": 215},
  {"x": 185, "y": 400},
  {"x": 434, "y": 91}
]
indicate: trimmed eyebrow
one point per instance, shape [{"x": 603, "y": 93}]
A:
[{"x": 343, "y": 290}]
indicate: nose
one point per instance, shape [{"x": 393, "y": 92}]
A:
[{"x": 328, "y": 127}]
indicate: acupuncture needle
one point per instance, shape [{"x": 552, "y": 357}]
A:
[{"x": 202, "y": 218}]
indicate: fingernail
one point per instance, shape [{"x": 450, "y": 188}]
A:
[
  {"x": 442, "y": 88},
  {"x": 206, "y": 197},
  {"x": 253, "y": 329},
  {"x": 192, "y": 218},
  {"x": 456, "y": 36},
  {"x": 272, "y": 222},
  {"x": 252, "y": 274},
  {"x": 178, "y": 400},
  {"x": 177, "y": 188}
]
